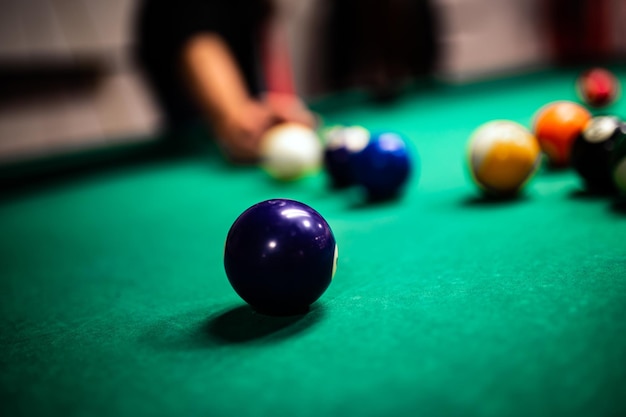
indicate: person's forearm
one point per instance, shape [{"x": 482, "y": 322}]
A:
[{"x": 215, "y": 78}]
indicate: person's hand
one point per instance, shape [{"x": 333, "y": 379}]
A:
[
  {"x": 239, "y": 132},
  {"x": 289, "y": 108}
]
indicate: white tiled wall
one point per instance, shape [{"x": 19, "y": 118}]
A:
[
  {"x": 63, "y": 27},
  {"x": 483, "y": 37},
  {"x": 618, "y": 8},
  {"x": 65, "y": 32}
]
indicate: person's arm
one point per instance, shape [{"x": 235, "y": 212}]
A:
[
  {"x": 238, "y": 119},
  {"x": 280, "y": 94},
  {"x": 218, "y": 85}
]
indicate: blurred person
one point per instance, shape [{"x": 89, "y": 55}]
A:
[
  {"x": 225, "y": 62},
  {"x": 381, "y": 44},
  {"x": 203, "y": 60}
]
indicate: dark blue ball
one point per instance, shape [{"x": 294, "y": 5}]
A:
[
  {"x": 383, "y": 166},
  {"x": 341, "y": 142},
  {"x": 280, "y": 256},
  {"x": 337, "y": 165}
]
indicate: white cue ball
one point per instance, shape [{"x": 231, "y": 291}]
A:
[{"x": 290, "y": 151}]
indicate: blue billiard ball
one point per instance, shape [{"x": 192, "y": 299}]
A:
[
  {"x": 341, "y": 142},
  {"x": 383, "y": 166},
  {"x": 280, "y": 256}
]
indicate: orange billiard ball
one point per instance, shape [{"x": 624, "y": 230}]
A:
[{"x": 556, "y": 127}]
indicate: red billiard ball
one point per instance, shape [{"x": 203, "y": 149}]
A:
[
  {"x": 598, "y": 87},
  {"x": 280, "y": 256}
]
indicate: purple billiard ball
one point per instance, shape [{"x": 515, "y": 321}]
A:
[
  {"x": 383, "y": 166},
  {"x": 341, "y": 142},
  {"x": 280, "y": 256}
]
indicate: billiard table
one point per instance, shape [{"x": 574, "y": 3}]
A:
[{"x": 114, "y": 299}]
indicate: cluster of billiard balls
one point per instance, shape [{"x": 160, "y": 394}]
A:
[
  {"x": 280, "y": 255},
  {"x": 504, "y": 155},
  {"x": 378, "y": 162}
]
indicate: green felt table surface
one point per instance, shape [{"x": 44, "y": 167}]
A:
[{"x": 114, "y": 300}]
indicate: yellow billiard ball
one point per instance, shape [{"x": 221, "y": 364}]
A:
[{"x": 502, "y": 157}]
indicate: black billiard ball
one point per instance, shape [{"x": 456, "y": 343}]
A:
[
  {"x": 592, "y": 149},
  {"x": 340, "y": 143},
  {"x": 280, "y": 256},
  {"x": 618, "y": 163},
  {"x": 384, "y": 165}
]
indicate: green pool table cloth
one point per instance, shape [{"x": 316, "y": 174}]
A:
[{"x": 114, "y": 300}]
